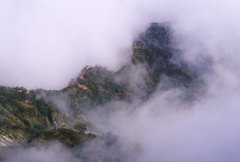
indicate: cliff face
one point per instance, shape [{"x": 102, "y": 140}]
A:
[
  {"x": 155, "y": 59},
  {"x": 32, "y": 115},
  {"x": 21, "y": 114}
]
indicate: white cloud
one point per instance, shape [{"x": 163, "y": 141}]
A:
[{"x": 45, "y": 43}]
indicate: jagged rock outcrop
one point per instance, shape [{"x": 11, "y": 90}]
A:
[
  {"x": 155, "y": 48},
  {"x": 95, "y": 85},
  {"x": 155, "y": 59},
  {"x": 21, "y": 114},
  {"x": 26, "y": 114}
]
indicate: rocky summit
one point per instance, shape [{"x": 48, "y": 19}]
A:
[{"x": 32, "y": 116}]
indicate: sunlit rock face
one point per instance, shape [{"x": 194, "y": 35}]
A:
[
  {"x": 95, "y": 85},
  {"x": 155, "y": 59},
  {"x": 22, "y": 114}
]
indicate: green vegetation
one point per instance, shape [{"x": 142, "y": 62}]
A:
[
  {"x": 34, "y": 115},
  {"x": 67, "y": 137}
]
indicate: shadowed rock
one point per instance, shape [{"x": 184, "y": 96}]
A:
[{"x": 155, "y": 59}]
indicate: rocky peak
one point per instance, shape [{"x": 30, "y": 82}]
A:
[
  {"x": 153, "y": 52},
  {"x": 156, "y": 49},
  {"x": 24, "y": 113},
  {"x": 152, "y": 45}
]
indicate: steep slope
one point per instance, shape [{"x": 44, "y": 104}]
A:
[
  {"x": 155, "y": 59},
  {"x": 156, "y": 49},
  {"x": 36, "y": 116},
  {"x": 95, "y": 85},
  {"x": 23, "y": 115}
]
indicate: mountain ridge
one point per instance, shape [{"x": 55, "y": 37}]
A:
[{"x": 35, "y": 115}]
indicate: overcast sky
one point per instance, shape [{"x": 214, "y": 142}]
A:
[{"x": 45, "y": 43}]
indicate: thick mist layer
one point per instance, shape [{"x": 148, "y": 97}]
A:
[
  {"x": 46, "y": 43},
  {"x": 165, "y": 128}
]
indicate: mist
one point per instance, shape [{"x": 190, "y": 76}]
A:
[
  {"x": 46, "y": 43},
  {"x": 167, "y": 129}
]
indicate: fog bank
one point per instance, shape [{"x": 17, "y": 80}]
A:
[{"x": 45, "y": 43}]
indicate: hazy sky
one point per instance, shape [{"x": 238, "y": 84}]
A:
[{"x": 44, "y": 43}]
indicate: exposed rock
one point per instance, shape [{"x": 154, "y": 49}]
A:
[
  {"x": 155, "y": 59},
  {"x": 33, "y": 114},
  {"x": 6, "y": 141},
  {"x": 67, "y": 137},
  {"x": 95, "y": 85},
  {"x": 155, "y": 49},
  {"x": 22, "y": 114}
]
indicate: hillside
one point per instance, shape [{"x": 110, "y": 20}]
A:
[{"x": 27, "y": 116}]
